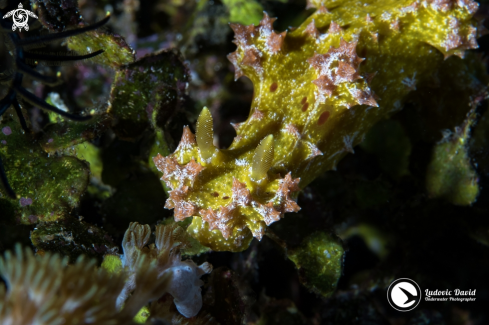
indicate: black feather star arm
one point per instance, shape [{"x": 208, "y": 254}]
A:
[
  {"x": 4, "y": 180},
  {"x": 61, "y": 35},
  {"x": 21, "y": 67}
]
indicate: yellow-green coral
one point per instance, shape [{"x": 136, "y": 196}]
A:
[{"x": 318, "y": 90}]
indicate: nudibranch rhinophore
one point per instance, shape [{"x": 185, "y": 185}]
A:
[{"x": 317, "y": 90}]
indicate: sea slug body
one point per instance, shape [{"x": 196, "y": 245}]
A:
[{"x": 317, "y": 90}]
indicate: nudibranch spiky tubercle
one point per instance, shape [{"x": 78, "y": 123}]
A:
[
  {"x": 231, "y": 214},
  {"x": 317, "y": 90}
]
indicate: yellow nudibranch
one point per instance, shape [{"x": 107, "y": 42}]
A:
[{"x": 317, "y": 90}]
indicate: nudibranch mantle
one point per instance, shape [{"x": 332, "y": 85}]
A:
[{"x": 317, "y": 90}]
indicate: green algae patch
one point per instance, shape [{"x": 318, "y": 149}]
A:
[
  {"x": 112, "y": 264},
  {"x": 62, "y": 135},
  {"x": 47, "y": 187},
  {"x": 91, "y": 154},
  {"x": 146, "y": 93},
  {"x": 319, "y": 260},
  {"x": 116, "y": 51},
  {"x": 450, "y": 174},
  {"x": 244, "y": 11},
  {"x": 388, "y": 141},
  {"x": 142, "y": 315},
  {"x": 72, "y": 237}
]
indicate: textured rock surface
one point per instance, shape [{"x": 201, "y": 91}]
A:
[
  {"x": 147, "y": 92},
  {"x": 116, "y": 51},
  {"x": 48, "y": 187}
]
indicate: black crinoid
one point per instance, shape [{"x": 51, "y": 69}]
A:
[{"x": 16, "y": 46}]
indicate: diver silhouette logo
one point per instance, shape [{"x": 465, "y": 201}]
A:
[
  {"x": 404, "y": 294},
  {"x": 20, "y": 18}
]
